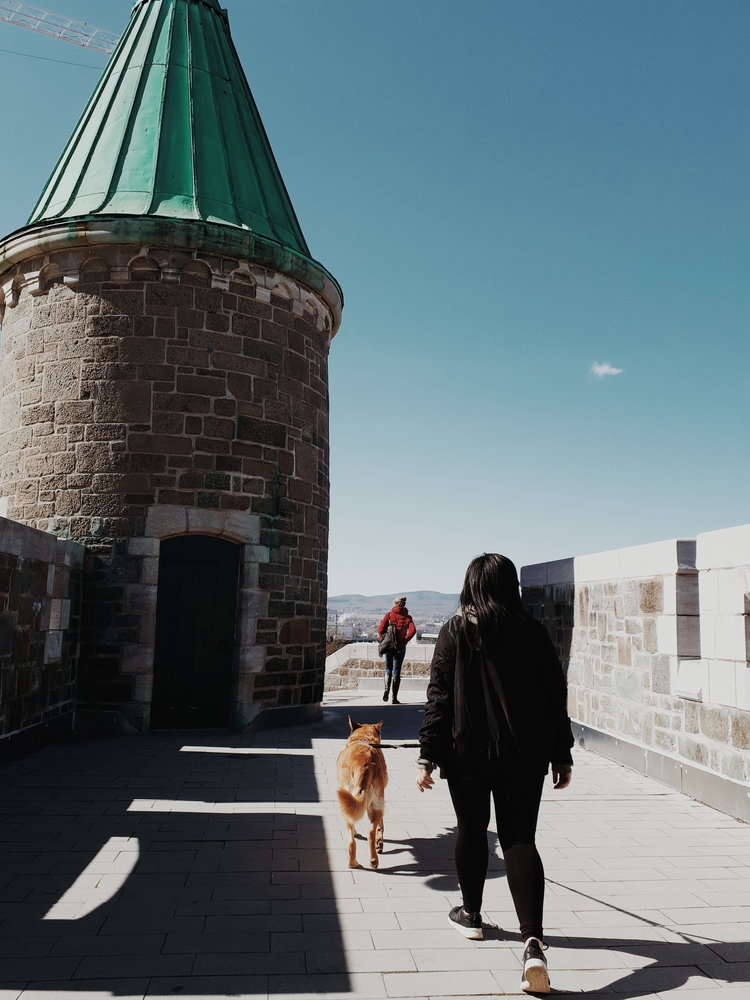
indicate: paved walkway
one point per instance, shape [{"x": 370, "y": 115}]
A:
[{"x": 209, "y": 864}]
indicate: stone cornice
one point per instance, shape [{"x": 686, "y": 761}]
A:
[{"x": 196, "y": 237}]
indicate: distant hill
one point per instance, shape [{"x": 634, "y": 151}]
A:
[{"x": 419, "y": 602}]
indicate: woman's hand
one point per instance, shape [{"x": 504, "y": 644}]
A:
[
  {"x": 424, "y": 778},
  {"x": 562, "y": 775}
]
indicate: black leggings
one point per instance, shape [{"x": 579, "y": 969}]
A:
[{"x": 517, "y": 796}]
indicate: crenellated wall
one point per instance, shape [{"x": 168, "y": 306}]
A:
[{"x": 656, "y": 642}]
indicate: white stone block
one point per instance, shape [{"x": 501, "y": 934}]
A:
[
  {"x": 53, "y": 647},
  {"x": 150, "y": 571},
  {"x": 656, "y": 559},
  {"x": 708, "y": 637},
  {"x": 690, "y": 679},
  {"x": 254, "y": 603},
  {"x": 730, "y": 637},
  {"x": 165, "y": 520},
  {"x": 708, "y": 584},
  {"x": 598, "y": 566},
  {"x": 210, "y": 522},
  {"x": 242, "y": 526},
  {"x": 252, "y": 660},
  {"x": 728, "y": 547},
  {"x": 742, "y": 682},
  {"x": 733, "y": 588},
  {"x": 639, "y": 561},
  {"x": 722, "y": 684},
  {"x": 59, "y": 614},
  {"x": 144, "y": 686},
  {"x": 143, "y": 547}
]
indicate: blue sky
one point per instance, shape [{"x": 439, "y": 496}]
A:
[{"x": 509, "y": 191}]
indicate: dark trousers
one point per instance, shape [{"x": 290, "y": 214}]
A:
[
  {"x": 393, "y": 662},
  {"x": 516, "y": 795}
]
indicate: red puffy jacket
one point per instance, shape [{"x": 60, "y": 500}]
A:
[{"x": 405, "y": 627}]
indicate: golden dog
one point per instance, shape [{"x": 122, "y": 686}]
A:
[{"x": 362, "y": 776}]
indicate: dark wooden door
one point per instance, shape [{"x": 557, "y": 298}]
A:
[{"x": 195, "y": 625}]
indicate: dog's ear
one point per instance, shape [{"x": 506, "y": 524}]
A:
[{"x": 352, "y": 724}]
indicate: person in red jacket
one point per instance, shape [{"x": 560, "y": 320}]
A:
[{"x": 403, "y": 622}]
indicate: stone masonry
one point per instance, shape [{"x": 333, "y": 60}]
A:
[
  {"x": 655, "y": 642},
  {"x": 140, "y": 379},
  {"x": 39, "y": 611}
]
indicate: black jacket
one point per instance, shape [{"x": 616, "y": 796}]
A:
[{"x": 509, "y": 700}]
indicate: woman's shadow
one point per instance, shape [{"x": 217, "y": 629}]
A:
[{"x": 671, "y": 964}]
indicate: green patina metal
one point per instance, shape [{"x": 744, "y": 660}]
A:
[{"x": 172, "y": 132}]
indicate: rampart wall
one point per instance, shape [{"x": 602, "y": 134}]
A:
[
  {"x": 39, "y": 602},
  {"x": 656, "y": 642}
]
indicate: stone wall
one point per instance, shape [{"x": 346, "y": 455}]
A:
[
  {"x": 39, "y": 613},
  {"x": 348, "y": 665},
  {"x": 655, "y": 642},
  {"x": 139, "y": 379}
]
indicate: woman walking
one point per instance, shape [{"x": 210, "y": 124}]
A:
[
  {"x": 495, "y": 720},
  {"x": 405, "y": 629}
]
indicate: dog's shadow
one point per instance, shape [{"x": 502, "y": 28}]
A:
[{"x": 432, "y": 859}]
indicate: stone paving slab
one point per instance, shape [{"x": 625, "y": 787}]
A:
[{"x": 213, "y": 864}]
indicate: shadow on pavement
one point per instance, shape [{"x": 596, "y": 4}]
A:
[{"x": 135, "y": 864}]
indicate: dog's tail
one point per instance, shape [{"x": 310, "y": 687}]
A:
[{"x": 352, "y": 806}]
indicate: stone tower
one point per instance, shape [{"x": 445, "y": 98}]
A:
[{"x": 164, "y": 390}]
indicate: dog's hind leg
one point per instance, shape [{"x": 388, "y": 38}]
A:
[
  {"x": 376, "y": 835},
  {"x": 352, "y": 845}
]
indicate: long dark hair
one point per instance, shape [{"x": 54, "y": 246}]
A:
[{"x": 491, "y": 596}]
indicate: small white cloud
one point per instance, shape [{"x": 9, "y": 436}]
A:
[{"x": 600, "y": 369}]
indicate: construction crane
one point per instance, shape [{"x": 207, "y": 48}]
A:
[{"x": 44, "y": 21}]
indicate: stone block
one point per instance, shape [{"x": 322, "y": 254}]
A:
[
  {"x": 691, "y": 680},
  {"x": 733, "y": 586},
  {"x": 742, "y": 682},
  {"x": 678, "y": 635},
  {"x": 255, "y": 603},
  {"x": 728, "y": 547},
  {"x": 661, "y": 675},
  {"x": 165, "y": 520},
  {"x": 651, "y": 596},
  {"x": 20, "y": 540},
  {"x": 150, "y": 571},
  {"x": 740, "y": 731},
  {"x": 733, "y": 764},
  {"x": 714, "y": 723},
  {"x": 730, "y": 637},
  {"x": 53, "y": 647},
  {"x": 629, "y": 684},
  {"x": 123, "y": 401},
  {"x": 252, "y": 660},
  {"x": 59, "y": 614},
  {"x": 61, "y": 380},
  {"x": 722, "y": 684},
  {"x": 143, "y": 546},
  {"x": 598, "y": 566}
]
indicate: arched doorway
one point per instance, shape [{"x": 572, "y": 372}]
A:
[{"x": 195, "y": 626}]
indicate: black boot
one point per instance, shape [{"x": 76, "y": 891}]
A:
[
  {"x": 396, "y": 686},
  {"x": 387, "y": 686}
]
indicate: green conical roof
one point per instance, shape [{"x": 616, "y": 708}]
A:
[{"x": 172, "y": 131}]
